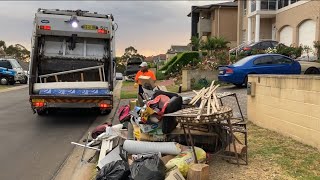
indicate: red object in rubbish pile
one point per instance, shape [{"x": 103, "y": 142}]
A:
[
  {"x": 99, "y": 130},
  {"x": 162, "y": 101}
]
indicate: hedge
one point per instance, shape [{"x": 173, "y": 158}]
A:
[
  {"x": 182, "y": 60},
  {"x": 165, "y": 67}
]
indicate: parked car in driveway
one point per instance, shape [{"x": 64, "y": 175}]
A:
[
  {"x": 119, "y": 76},
  {"x": 237, "y": 73},
  {"x": 308, "y": 67},
  {"x": 261, "y": 45}
]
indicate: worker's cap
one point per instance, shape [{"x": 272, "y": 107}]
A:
[{"x": 144, "y": 64}]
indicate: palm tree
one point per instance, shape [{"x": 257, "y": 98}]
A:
[
  {"x": 213, "y": 44},
  {"x": 195, "y": 43}
]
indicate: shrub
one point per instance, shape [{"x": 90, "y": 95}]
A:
[
  {"x": 316, "y": 45},
  {"x": 160, "y": 75},
  {"x": 291, "y": 51}
]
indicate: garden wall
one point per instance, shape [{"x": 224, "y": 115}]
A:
[
  {"x": 188, "y": 75},
  {"x": 288, "y": 104}
]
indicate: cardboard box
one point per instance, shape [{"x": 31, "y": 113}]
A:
[
  {"x": 174, "y": 175},
  {"x": 147, "y": 80},
  {"x": 167, "y": 158}
]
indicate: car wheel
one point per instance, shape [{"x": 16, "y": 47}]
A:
[
  {"x": 3, "y": 81},
  {"x": 24, "y": 81},
  {"x": 312, "y": 70},
  {"x": 239, "y": 85}
]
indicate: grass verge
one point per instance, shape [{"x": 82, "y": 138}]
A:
[
  {"x": 4, "y": 87},
  {"x": 296, "y": 159}
]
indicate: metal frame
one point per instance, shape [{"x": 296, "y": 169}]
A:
[{"x": 100, "y": 68}]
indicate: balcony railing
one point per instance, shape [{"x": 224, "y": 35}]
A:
[{"x": 268, "y": 5}]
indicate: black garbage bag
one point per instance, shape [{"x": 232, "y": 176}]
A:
[
  {"x": 148, "y": 168},
  {"x": 116, "y": 170}
]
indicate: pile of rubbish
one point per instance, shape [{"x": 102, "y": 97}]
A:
[{"x": 146, "y": 153}]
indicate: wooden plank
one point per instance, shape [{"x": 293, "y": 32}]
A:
[
  {"x": 214, "y": 110},
  {"x": 216, "y": 100},
  {"x": 82, "y": 77},
  {"x": 106, "y": 146},
  {"x": 100, "y": 74},
  {"x": 196, "y": 98},
  {"x": 56, "y": 77},
  {"x": 209, "y": 106}
]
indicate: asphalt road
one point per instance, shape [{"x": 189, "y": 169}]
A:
[{"x": 34, "y": 147}]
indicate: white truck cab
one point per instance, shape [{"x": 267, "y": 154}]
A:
[{"x": 11, "y": 63}]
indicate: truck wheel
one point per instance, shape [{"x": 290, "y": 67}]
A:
[
  {"x": 4, "y": 81},
  {"x": 42, "y": 112},
  {"x": 105, "y": 112}
]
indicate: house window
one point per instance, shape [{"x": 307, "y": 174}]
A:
[
  {"x": 253, "y": 5},
  {"x": 283, "y": 3},
  {"x": 268, "y": 4},
  {"x": 245, "y": 7}
]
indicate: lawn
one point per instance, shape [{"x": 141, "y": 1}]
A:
[
  {"x": 129, "y": 92},
  {"x": 271, "y": 156},
  {"x": 4, "y": 87}
]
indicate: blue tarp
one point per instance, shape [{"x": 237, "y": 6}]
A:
[{"x": 77, "y": 92}]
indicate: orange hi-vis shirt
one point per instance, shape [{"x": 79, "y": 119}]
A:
[{"x": 148, "y": 73}]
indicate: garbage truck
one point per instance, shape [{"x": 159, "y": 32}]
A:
[{"x": 72, "y": 61}]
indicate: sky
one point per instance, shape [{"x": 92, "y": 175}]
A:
[{"x": 149, "y": 26}]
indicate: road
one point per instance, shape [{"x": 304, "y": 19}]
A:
[{"x": 34, "y": 147}]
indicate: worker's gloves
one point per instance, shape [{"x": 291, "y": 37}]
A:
[{"x": 135, "y": 85}]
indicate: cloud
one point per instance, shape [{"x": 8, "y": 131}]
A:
[{"x": 150, "y": 26}]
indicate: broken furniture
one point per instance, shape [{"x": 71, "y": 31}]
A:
[
  {"x": 223, "y": 95},
  {"x": 189, "y": 118}
]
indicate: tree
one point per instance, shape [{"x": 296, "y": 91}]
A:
[
  {"x": 214, "y": 44},
  {"x": 2, "y": 48},
  {"x": 130, "y": 52},
  {"x": 18, "y": 51},
  {"x": 195, "y": 43}
]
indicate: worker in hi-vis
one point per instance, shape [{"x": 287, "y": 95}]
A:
[{"x": 144, "y": 71}]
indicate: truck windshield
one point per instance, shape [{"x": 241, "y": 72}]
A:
[{"x": 14, "y": 63}]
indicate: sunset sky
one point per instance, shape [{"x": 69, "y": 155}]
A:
[{"x": 150, "y": 26}]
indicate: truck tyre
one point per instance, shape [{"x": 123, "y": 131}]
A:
[
  {"x": 42, "y": 112},
  {"x": 105, "y": 112},
  {"x": 4, "y": 81}
]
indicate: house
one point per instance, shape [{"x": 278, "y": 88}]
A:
[
  {"x": 159, "y": 59},
  {"x": 215, "y": 20},
  {"x": 175, "y": 49},
  {"x": 149, "y": 59},
  {"x": 291, "y": 22}
]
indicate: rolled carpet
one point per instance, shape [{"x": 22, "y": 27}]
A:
[{"x": 137, "y": 147}]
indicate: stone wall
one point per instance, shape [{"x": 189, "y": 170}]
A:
[
  {"x": 287, "y": 104},
  {"x": 188, "y": 75}
]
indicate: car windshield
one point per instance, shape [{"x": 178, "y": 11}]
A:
[
  {"x": 14, "y": 63},
  {"x": 242, "y": 61}
]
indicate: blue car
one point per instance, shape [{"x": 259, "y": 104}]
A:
[{"x": 237, "y": 73}]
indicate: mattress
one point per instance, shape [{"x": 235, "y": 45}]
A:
[{"x": 72, "y": 88}]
